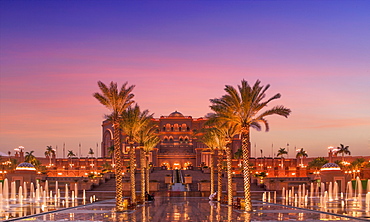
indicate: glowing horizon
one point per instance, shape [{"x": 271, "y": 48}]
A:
[{"x": 179, "y": 55}]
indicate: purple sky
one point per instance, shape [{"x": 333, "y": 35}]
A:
[{"x": 179, "y": 55}]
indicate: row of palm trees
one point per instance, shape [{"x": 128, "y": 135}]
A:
[
  {"x": 301, "y": 153},
  {"x": 140, "y": 131},
  {"x": 235, "y": 113}
]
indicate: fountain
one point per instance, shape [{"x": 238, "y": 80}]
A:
[
  {"x": 353, "y": 202},
  {"x": 40, "y": 199}
]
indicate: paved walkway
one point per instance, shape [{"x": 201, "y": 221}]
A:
[{"x": 186, "y": 209}]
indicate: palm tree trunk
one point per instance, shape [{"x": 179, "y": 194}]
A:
[
  {"x": 147, "y": 172},
  {"x": 229, "y": 178},
  {"x": 142, "y": 166},
  {"x": 132, "y": 173},
  {"x": 219, "y": 178},
  {"x": 118, "y": 166},
  {"x": 246, "y": 173},
  {"x": 212, "y": 172}
]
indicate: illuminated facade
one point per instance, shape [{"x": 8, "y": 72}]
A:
[{"x": 178, "y": 147}]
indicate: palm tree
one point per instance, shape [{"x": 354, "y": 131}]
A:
[
  {"x": 30, "y": 158},
  {"x": 70, "y": 154},
  {"x": 210, "y": 140},
  {"x": 238, "y": 154},
  {"x": 49, "y": 153},
  {"x": 116, "y": 101},
  {"x": 242, "y": 107},
  {"x": 148, "y": 139},
  {"x": 317, "y": 163},
  {"x": 282, "y": 152},
  {"x": 224, "y": 135},
  {"x": 91, "y": 153},
  {"x": 228, "y": 131},
  {"x": 301, "y": 154},
  {"x": 111, "y": 153},
  {"x": 357, "y": 165},
  {"x": 343, "y": 150},
  {"x": 132, "y": 122},
  {"x": 221, "y": 145}
]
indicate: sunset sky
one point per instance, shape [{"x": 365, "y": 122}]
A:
[{"x": 180, "y": 54}]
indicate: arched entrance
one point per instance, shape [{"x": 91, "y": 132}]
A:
[{"x": 176, "y": 166}]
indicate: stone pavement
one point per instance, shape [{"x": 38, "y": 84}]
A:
[{"x": 186, "y": 209}]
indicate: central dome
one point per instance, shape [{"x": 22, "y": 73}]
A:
[
  {"x": 25, "y": 166},
  {"x": 176, "y": 114},
  {"x": 330, "y": 166}
]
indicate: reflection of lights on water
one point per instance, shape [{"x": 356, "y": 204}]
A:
[
  {"x": 176, "y": 216},
  {"x": 300, "y": 216},
  {"x": 280, "y": 216}
]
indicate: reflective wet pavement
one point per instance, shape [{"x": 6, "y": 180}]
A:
[{"x": 187, "y": 209}]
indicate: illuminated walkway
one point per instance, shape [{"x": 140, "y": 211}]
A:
[{"x": 186, "y": 209}]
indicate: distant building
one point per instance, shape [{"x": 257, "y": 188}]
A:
[{"x": 178, "y": 147}]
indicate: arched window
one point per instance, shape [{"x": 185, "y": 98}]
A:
[
  {"x": 164, "y": 128},
  {"x": 176, "y": 127},
  {"x": 171, "y": 139},
  {"x": 165, "y": 139},
  {"x": 186, "y": 140},
  {"x": 181, "y": 139},
  {"x": 168, "y": 127},
  {"x": 184, "y": 127},
  {"x": 187, "y": 129}
]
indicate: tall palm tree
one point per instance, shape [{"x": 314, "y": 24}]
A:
[
  {"x": 224, "y": 133},
  {"x": 343, "y": 150},
  {"x": 210, "y": 140},
  {"x": 49, "y": 153},
  {"x": 282, "y": 152},
  {"x": 301, "y": 154},
  {"x": 228, "y": 131},
  {"x": 221, "y": 145},
  {"x": 148, "y": 139},
  {"x": 243, "y": 107},
  {"x": 132, "y": 122},
  {"x": 116, "y": 100}
]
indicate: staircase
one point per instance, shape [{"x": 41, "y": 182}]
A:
[
  {"x": 178, "y": 181},
  {"x": 104, "y": 191},
  {"x": 108, "y": 189},
  {"x": 110, "y": 185}
]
